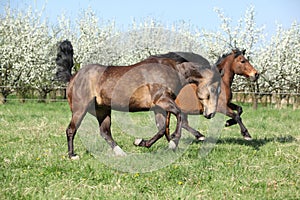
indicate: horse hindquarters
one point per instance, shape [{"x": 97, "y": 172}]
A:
[{"x": 81, "y": 100}]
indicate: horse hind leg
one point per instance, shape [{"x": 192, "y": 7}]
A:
[
  {"x": 104, "y": 120},
  {"x": 71, "y": 131},
  {"x": 244, "y": 130}
]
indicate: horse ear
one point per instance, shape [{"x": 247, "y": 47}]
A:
[
  {"x": 243, "y": 51},
  {"x": 234, "y": 51}
]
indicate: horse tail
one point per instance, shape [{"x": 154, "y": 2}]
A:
[{"x": 64, "y": 61}]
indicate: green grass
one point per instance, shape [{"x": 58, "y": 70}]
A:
[{"x": 34, "y": 165}]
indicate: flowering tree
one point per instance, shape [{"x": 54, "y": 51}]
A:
[
  {"x": 280, "y": 62},
  {"x": 151, "y": 37},
  {"x": 25, "y": 56},
  {"x": 28, "y": 48},
  {"x": 9, "y": 53}
]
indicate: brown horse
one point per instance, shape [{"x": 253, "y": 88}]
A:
[
  {"x": 148, "y": 85},
  {"x": 229, "y": 65}
]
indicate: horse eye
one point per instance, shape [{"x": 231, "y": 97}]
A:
[{"x": 243, "y": 61}]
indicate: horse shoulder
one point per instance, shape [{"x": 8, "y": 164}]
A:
[{"x": 188, "y": 101}]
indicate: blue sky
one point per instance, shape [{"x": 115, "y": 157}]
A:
[{"x": 198, "y": 12}]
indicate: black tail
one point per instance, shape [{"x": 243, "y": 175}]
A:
[{"x": 64, "y": 61}]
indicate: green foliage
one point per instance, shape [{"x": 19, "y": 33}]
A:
[{"x": 34, "y": 163}]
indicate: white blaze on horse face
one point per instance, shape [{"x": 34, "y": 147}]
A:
[
  {"x": 219, "y": 89},
  {"x": 215, "y": 91}
]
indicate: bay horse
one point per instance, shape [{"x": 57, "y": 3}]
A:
[
  {"x": 152, "y": 84},
  {"x": 228, "y": 65}
]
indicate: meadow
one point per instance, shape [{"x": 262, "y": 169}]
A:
[{"x": 34, "y": 162}]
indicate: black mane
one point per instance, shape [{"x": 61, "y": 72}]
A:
[
  {"x": 236, "y": 51},
  {"x": 181, "y": 57}
]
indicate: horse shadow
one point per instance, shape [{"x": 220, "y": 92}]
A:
[{"x": 257, "y": 143}]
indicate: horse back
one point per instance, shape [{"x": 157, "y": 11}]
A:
[{"x": 134, "y": 87}]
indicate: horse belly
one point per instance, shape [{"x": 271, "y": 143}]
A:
[
  {"x": 127, "y": 101},
  {"x": 140, "y": 100},
  {"x": 188, "y": 101}
]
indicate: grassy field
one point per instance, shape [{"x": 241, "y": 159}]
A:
[{"x": 34, "y": 165}]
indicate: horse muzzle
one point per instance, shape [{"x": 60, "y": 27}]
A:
[
  {"x": 254, "y": 77},
  {"x": 209, "y": 116}
]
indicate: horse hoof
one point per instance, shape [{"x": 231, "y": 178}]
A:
[
  {"x": 172, "y": 145},
  {"x": 137, "y": 142},
  {"x": 202, "y": 138},
  {"x": 247, "y": 138},
  {"x": 74, "y": 157},
  {"x": 118, "y": 151}
]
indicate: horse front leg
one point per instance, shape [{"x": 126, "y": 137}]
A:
[
  {"x": 239, "y": 110},
  {"x": 162, "y": 120},
  {"x": 186, "y": 126},
  {"x": 150, "y": 142},
  {"x": 165, "y": 105},
  {"x": 175, "y": 137},
  {"x": 104, "y": 120},
  {"x": 238, "y": 119}
]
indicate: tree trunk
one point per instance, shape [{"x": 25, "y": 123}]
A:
[
  {"x": 254, "y": 101},
  {"x": 296, "y": 104},
  {"x": 43, "y": 97},
  {"x": 53, "y": 95},
  {"x": 2, "y": 99}
]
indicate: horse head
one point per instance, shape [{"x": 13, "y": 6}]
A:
[
  {"x": 195, "y": 69},
  {"x": 242, "y": 66},
  {"x": 208, "y": 81}
]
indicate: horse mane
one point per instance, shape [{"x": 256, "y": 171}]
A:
[
  {"x": 236, "y": 51},
  {"x": 181, "y": 57},
  {"x": 170, "y": 55}
]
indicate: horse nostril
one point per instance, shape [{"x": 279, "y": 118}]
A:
[
  {"x": 254, "y": 77},
  {"x": 211, "y": 115}
]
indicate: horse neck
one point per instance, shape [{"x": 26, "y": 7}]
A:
[{"x": 228, "y": 75}]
